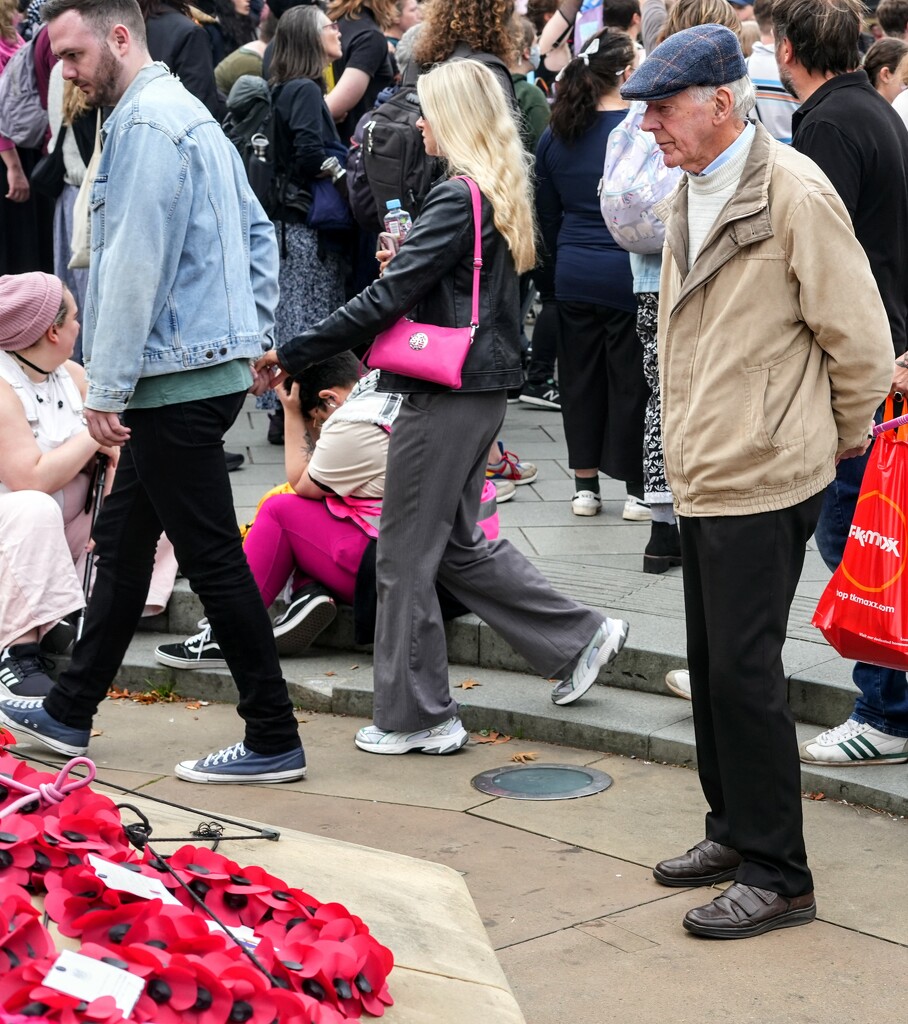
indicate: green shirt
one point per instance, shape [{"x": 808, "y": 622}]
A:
[{"x": 191, "y": 385}]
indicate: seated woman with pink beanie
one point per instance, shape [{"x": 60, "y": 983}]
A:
[{"x": 46, "y": 462}]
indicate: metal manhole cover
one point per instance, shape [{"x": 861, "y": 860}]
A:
[{"x": 542, "y": 782}]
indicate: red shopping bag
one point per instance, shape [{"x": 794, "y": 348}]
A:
[{"x": 863, "y": 612}]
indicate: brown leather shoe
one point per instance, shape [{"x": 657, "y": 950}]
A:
[
  {"x": 703, "y": 864},
  {"x": 745, "y": 910}
]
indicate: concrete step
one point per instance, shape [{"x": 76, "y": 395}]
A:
[{"x": 625, "y": 713}]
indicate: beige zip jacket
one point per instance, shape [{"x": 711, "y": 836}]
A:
[{"x": 774, "y": 348}]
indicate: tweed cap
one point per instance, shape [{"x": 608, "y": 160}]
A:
[
  {"x": 702, "y": 55},
  {"x": 29, "y": 304}
]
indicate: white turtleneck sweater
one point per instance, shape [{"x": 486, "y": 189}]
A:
[{"x": 708, "y": 192}]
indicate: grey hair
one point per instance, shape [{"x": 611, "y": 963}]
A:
[{"x": 742, "y": 90}]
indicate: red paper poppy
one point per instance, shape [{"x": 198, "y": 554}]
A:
[
  {"x": 22, "y": 936},
  {"x": 169, "y": 992},
  {"x": 178, "y": 930},
  {"x": 110, "y": 927},
  {"x": 17, "y": 834},
  {"x": 75, "y": 892}
]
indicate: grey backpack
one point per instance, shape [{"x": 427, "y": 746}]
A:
[{"x": 22, "y": 117}]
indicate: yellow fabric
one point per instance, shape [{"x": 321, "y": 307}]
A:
[{"x": 280, "y": 489}]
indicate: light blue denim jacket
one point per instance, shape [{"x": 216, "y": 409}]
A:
[
  {"x": 184, "y": 262},
  {"x": 646, "y": 270}
]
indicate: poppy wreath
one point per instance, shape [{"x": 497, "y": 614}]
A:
[{"x": 300, "y": 962}]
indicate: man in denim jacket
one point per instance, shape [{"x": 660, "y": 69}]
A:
[{"x": 182, "y": 290}]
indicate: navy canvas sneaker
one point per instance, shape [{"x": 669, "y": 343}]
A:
[
  {"x": 29, "y": 717},
  {"x": 238, "y": 765}
]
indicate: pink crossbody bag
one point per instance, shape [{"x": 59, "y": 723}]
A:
[{"x": 426, "y": 351}]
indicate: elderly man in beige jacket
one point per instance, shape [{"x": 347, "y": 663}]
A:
[{"x": 774, "y": 351}]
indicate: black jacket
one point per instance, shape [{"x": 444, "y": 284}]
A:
[
  {"x": 861, "y": 145},
  {"x": 183, "y": 46},
  {"x": 431, "y": 279}
]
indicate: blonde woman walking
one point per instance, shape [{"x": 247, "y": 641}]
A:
[{"x": 441, "y": 438}]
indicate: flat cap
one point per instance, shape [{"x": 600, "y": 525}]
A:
[{"x": 703, "y": 55}]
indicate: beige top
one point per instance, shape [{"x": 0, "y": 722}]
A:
[{"x": 350, "y": 458}]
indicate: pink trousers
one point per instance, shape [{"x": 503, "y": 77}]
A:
[{"x": 299, "y": 535}]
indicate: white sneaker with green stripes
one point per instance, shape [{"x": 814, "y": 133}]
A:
[{"x": 854, "y": 743}]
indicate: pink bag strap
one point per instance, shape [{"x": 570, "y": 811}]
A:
[{"x": 477, "y": 249}]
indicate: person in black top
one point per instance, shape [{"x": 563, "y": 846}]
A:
[
  {"x": 861, "y": 145},
  {"x": 364, "y": 67},
  {"x": 175, "y": 39}
]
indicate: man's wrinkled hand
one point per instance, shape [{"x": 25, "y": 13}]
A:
[{"x": 106, "y": 428}]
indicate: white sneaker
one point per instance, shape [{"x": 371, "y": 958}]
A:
[
  {"x": 636, "y": 511},
  {"x": 678, "y": 681},
  {"x": 855, "y": 742},
  {"x": 445, "y": 738},
  {"x": 601, "y": 650},
  {"x": 586, "y": 503}
]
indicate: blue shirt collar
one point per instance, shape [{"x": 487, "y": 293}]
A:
[{"x": 742, "y": 141}]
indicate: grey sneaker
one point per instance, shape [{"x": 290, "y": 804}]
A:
[
  {"x": 601, "y": 650},
  {"x": 445, "y": 738},
  {"x": 238, "y": 765}
]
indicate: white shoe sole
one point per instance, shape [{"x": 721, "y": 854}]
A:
[
  {"x": 676, "y": 690},
  {"x": 637, "y": 515},
  {"x": 806, "y": 758},
  {"x": 586, "y": 510},
  {"x": 299, "y": 633},
  {"x": 540, "y": 403},
  {"x": 449, "y": 744},
  {"x": 184, "y": 663},
  {"x": 46, "y": 741},
  {"x": 606, "y": 654},
  {"x": 187, "y": 773}
]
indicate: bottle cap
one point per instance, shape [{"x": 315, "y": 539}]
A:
[{"x": 393, "y": 204}]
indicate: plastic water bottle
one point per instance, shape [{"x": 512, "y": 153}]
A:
[{"x": 397, "y": 221}]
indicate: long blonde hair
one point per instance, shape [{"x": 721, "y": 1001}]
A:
[{"x": 477, "y": 135}]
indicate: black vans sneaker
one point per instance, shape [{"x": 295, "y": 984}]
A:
[{"x": 311, "y": 610}]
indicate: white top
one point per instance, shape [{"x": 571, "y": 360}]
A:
[
  {"x": 775, "y": 104},
  {"x": 53, "y": 408},
  {"x": 708, "y": 193},
  {"x": 900, "y": 106}
]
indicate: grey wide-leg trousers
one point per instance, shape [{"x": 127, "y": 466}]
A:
[{"x": 436, "y": 470}]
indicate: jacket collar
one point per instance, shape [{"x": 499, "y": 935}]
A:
[
  {"x": 144, "y": 76},
  {"x": 744, "y": 220}
]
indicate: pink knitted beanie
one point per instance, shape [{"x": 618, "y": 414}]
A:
[{"x": 29, "y": 304}]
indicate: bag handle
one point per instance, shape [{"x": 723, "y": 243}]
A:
[
  {"x": 477, "y": 250},
  {"x": 890, "y": 424}
]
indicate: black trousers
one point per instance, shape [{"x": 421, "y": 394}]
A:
[
  {"x": 172, "y": 477},
  {"x": 740, "y": 574},
  {"x": 603, "y": 390}
]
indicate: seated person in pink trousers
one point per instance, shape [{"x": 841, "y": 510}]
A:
[{"x": 322, "y": 534}]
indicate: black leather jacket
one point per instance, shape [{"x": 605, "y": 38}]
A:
[{"x": 431, "y": 279}]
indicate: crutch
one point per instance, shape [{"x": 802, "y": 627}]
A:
[{"x": 93, "y": 505}]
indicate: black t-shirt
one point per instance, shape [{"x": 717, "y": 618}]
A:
[
  {"x": 366, "y": 49},
  {"x": 861, "y": 145}
]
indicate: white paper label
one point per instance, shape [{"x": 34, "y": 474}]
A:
[
  {"x": 88, "y": 979},
  {"x": 115, "y": 876},
  {"x": 243, "y": 935}
]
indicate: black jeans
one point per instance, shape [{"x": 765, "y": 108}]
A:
[
  {"x": 172, "y": 477},
  {"x": 740, "y": 575}
]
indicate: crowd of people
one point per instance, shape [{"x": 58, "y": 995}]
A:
[{"x": 726, "y": 372}]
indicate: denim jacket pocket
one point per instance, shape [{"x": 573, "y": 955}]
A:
[{"x": 97, "y": 203}]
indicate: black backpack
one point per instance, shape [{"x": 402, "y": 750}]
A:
[
  {"x": 248, "y": 113},
  {"x": 387, "y": 159}
]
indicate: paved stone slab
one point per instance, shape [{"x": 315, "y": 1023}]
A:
[{"x": 793, "y": 976}]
